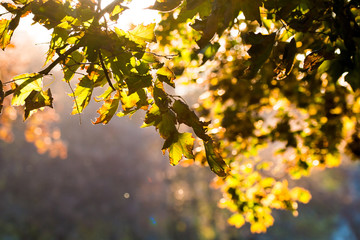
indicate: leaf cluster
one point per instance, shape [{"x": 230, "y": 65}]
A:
[{"x": 275, "y": 72}]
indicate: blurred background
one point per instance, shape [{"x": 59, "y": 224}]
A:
[{"x": 112, "y": 182}]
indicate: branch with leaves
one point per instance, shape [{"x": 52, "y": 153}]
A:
[{"x": 274, "y": 70}]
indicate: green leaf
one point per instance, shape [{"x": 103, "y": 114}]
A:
[
  {"x": 23, "y": 85},
  {"x": 118, "y": 9},
  {"x": 215, "y": 161},
  {"x": 167, "y": 125},
  {"x": 5, "y": 33},
  {"x": 135, "y": 83},
  {"x": 260, "y": 50},
  {"x": 160, "y": 96},
  {"x": 152, "y": 117},
  {"x": 149, "y": 57},
  {"x": 82, "y": 94},
  {"x": 251, "y": 9},
  {"x": 210, "y": 50},
  {"x": 72, "y": 64},
  {"x": 166, "y": 75},
  {"x": 185, "y": 115},
  {"x": 179, "y": 145},
  {"x": 108, "y": 109}
]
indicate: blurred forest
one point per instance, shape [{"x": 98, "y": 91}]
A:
[{"x": 110, "y": 185}]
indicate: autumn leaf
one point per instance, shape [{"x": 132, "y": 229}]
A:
[
  {"x": 167, "y": 126},
  {"x": 5, "y": 33},
  {"x": 215, "y": 161},
  {"x": 36, "y": 100},
  {"x": 179, "y": 145},
  {"x": 23, "y": 85},
  {"x": 142, "y": 34},
  {"x": 166, "y": 75},
  {"x": 108, "y": 109},
  {"x": 82, "y": 94}
]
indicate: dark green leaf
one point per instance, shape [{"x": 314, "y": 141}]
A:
[{"x": 215, "y": 161}]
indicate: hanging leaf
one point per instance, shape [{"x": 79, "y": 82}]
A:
[
  {"x": 260, "y": 50},
  {"x": 129, "y": 101},
  {"x": 185, "y": 115},
  {"x": 209, "y": 51},
  {"x": 160, "y": 96},
  {"x": 23, "y": 85},
  {"x": 287, "y": 62},
  {"x": 72, "y": 64},
  {"x": 166, "y": 75},
  {"x": 137, "y": 82},
  {"x": 215, "y": 161},
  {"x": 5, "y": 33},
  {"x": 179, "y": 145},
  {"x": 251, "y": 9},
  {"x": 36, "y": 100},
  {"x": 167, "y": 126},
  {"x": 313, "y": 61},
  {"x": 108, "y": 109},
  {"x": 82, "y": 94},
  {"x": 152, "y": 117}
]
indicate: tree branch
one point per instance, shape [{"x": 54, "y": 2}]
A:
[{"x": 59, "y": 59}]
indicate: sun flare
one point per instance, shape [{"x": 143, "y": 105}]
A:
[{"x": 136, "y": 14}]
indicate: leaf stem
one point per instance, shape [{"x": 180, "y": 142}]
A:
[{"x": 105, "y": 71}]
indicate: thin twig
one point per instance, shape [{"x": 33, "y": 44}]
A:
[
  {"x": 105, "y": 71},
  {"x": 59, "y": 59},
  {"x": 171, "y": 56},
  {"x": 76, "y": 103}
]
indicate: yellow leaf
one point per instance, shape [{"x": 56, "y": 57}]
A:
[
  {"x": 300, "y": 195},
  {"x": 236, "y": 220},
  {"x": 143, "y": 34},
  {"x": 23, "y": 85}
]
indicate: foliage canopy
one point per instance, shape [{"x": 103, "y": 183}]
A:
[{"x": 275, "y": 71}]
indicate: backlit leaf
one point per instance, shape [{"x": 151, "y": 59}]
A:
[
  {"x": 108, "y": 109},
  {"x": 5, "y": 33},
  {"x": 166, "y": 75},
  {"x": 143, "y": 34},
  {"x": 72, "y": 64},
  {"x": 135, "y": 83},
  {"x": 82, "y": 94},
  {"x": 167, "y": 125},
  {"x": 215, "y": 161},
  {"x": 185, "y": 115},
  {"x": 23, "y": 85},
  {"x": 179, "y": 145}
]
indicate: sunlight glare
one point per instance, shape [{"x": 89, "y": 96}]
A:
[{"x": 136, "y": 14}]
